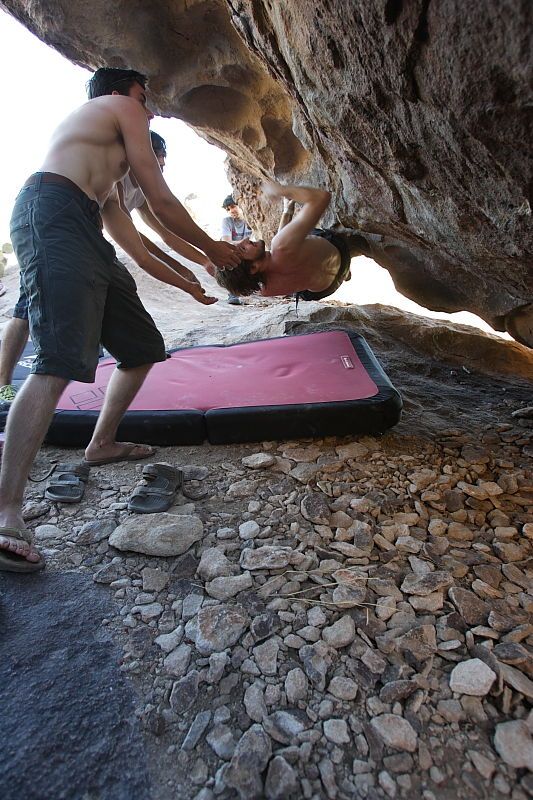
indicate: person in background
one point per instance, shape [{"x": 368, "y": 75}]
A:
[{"x": 234, "y": 229}]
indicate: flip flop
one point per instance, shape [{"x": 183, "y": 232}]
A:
[
  {"x": 162, "y": 483},
  {"x": 128, "y": 454},
  {"x": 11, "y": 562},
  {"x": 67, "y": 484}
]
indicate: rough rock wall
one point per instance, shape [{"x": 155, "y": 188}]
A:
[{"x": 415, "y": 114}]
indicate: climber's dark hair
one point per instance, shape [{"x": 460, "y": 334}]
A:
[
  {"x": 107, "y": 80},
  {"x": 240, "y": 280}
]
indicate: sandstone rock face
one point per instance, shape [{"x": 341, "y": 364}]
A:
[{"x": 414, "y": 115}]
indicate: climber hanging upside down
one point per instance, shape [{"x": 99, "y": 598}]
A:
[{"x": 303, "y": 259}]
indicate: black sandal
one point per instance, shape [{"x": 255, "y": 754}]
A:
[
  {"x": 67, "y": 484},
  {"x": 159, "y": 490}
]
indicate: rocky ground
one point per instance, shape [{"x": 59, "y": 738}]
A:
[{"x": 328, "y": 618}]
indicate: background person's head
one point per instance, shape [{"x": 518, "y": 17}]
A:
[
  {"x": 159, "y": 146},
  {"x": 107, "y": 80},
  {"x": 232, "y": 208}
]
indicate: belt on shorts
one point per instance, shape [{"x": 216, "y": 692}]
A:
[{"x": 61, "y": 180}]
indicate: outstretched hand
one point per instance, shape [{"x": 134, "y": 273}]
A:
[
  {"x": 224, "y": 254},
  {"x": 198, "y": 292},
  {"x": 271, "y": 189}
]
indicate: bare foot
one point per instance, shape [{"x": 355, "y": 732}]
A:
[{"x": 113, "y": 452}]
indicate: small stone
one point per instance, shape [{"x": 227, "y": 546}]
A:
[
  {"x": 284, "y": 726},
  {"x": 514, "y": 744},
  {"x": 177, "y": 661},
  {"x": 385, "y": 608},
  {"x": 426, "y": 584},
  {"x": 316, "y": 660},
  {"x": 341, "y": 633},
  {"x": 336, "y": 731},
  {"x": 225, "y": 588},
  {"x": 169, "y": 641},
  {"x": 217, "y": 665},
  {"x": 420, "y": 641},
  {"x": 259, "y": 461},
  {"x": 154, "y": 580},
  {"x": 220, "y": 740},
  {"x": 195, "y": 732},
  {"x": 244, "y": 488},
  {"x": 219, "y": 627},
  {"x": 214, "y": 564},
  {"x": 148, "y": 611},
  {"x": 485, "y": 766},
  {"x": 387, "y": 783},
  {"x": 184, "y": 692},
  {"x": 254, "y": 702},
  {"x": 281, "y": 780},
  {"x": 266, "y": 557},
  {"x": 343, "y": 688},
  {"x": 430, "y": 602},
  {"x": 397, "y": 690},
  {"x": 296, "y": 685},
  {"x": 191, "y": 605},
  {"x": 107, "y": 574},
  {"x": 264, "y": 625},
  {"x": 422, "y": 479},
  {"x": 473, "y": 610},
  {"x": 353, "y": 450},
  {"x": 266, "y": 656},
  {"x": 395, "y": 732},
  {"x": 515, "y": 678},
  {"x": 509, "y": 551},
  {"x": 249, "y": 530},
  {"x": 349, "y": 596},
  {"x": 193, "y": 472},
  {"x": 472, "y": 677},
  {"x": 314, "y": 507},
  {"x": 96, "y": 531}
]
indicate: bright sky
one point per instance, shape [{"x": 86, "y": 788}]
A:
[{"x": 41, "y": 87}]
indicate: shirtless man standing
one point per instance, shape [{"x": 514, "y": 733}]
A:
[
  {"x": 303, "y": 260},
  {"x": 79, "y": 294},
  {"x": 16, "y": 332}
]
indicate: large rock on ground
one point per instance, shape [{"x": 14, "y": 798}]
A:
[{"x": 158, "y": 534}]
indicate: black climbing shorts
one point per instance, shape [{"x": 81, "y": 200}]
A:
[{"x": 78, "y": 293}]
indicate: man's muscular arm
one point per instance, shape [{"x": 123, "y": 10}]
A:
[
  {"x": 155, "y": 250},
  {"x": 178, "y": 244},
  {"x": 313, "y": 201},
  {"x": 133, "y": 125},
  {"x": 123, "y": 232}
]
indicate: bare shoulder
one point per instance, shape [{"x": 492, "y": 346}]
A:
[{"x": 121, "y": 106}]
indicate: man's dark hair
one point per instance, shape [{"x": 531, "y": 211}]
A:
[
  {"x": 229, "y": 201},
  {"x": 240, "y": 280},
  {"x": 158, "y": 143},
  {"x": 107, "y": 80}
]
